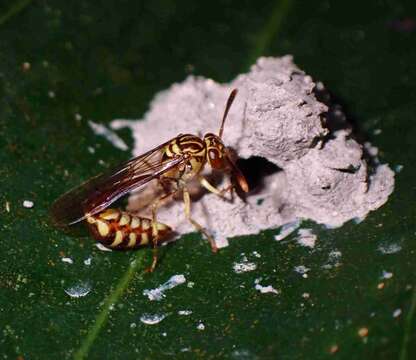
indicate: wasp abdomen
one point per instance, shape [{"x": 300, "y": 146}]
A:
[{"x": 122, "y": 231}]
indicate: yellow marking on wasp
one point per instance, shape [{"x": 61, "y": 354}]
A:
[
  {"x": 132, "y": 240},
  {"x": 125, "y": 219},
  {"x": 118, "y": 238},
  {"x": 168, "y": 152},
  {"x": 195, "y": 163},
  {"x": 91, "y": 219},
  {"x": 188, "y": 142},
  {"x": 145, "y": 224},
  {"x": 135, "y": 222},
  {"x": 188, "y": 136},
  {"x": 176, "y": 149},
  {"x": 145, "y": 239},
  {"x": 110, "y": 214},
  {"x": 161, "y": 226},
  {"x": 103, "y": 228}
]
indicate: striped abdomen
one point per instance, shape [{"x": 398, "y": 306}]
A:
[{"x": 122, "y": 231}]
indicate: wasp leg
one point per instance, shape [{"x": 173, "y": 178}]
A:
[
  {"x": 154, "y": 207},
  {"x": 155, "y": 231},
  {"x": 187, "y": 202},
  {"x": 211, "y": 188},
  {"x": 154, "y": 260}
]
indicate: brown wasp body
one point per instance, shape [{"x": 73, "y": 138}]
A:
[{"x": 173, "y": 164}]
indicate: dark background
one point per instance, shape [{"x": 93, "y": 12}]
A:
[{"x": 106, "y": 60}]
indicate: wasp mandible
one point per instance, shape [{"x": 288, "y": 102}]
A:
[{"x": 173, "y": 164}]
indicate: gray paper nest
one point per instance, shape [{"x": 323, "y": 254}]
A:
[{"x": 276, "y": 117}]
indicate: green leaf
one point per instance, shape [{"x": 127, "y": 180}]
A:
[{"x": 63, "y": 63}]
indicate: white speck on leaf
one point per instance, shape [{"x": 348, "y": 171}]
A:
[
  {"x": 157, "y": 294},
  {"x": 67, "y": 260},
  {"x": 152, "y": 319},
  {"x": 306, "y": 238},
  {"x": 387, "y": 249},
  {"x": 386, "y": 275},
  {"x": 185, "y": 312},
  {"x": 28, "y": 204},
  {"x": 266, "y": 289},
  {"x": 333, "y": 260},
  {"x": 398, "y": 168},
  {"x": 102, "y": 247},
  {"x": 301, "y": 269},
  {"x": 397, "y": 313},
  {"x": 111, "y": 136},
  {"x": 287, "y": 229},
  {"x": 358, "y": 219},
  {"x": 79, "y": 290},
  {"x": 244, "y": 265}
]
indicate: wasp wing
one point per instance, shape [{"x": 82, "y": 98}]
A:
[{"x": 102, "y": 190}]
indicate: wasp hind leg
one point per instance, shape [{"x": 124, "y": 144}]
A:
[
  {"x": 155, "y": 230},
  {"x": 198, "y": 227},
  {"x": 152, "y": 267}
]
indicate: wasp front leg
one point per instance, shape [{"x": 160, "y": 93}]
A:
[
  {"x": 198, "y": 227},
  {"x": 211, "y": 188}
]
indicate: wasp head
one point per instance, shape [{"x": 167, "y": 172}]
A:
[
  {"x": 215, "y": 151},
  {"x": 218, "y": 157}
]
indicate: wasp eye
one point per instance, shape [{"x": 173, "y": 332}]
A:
[{"x": 213, "y": 154}]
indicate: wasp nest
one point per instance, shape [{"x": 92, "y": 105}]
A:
[{"x": 297, "y": 167}]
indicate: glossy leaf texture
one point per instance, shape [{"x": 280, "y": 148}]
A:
[{"x": 63, "y": 63}]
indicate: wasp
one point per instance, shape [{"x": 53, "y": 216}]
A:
[{"x": 173, "y": 164}]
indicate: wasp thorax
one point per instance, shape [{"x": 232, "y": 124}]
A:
[{"x": 215, "y": 151}]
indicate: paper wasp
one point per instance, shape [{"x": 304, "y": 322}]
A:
[{"x": 173, "y": 164}]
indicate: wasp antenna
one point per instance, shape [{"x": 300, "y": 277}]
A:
[{"x": 227, "y": 108}]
